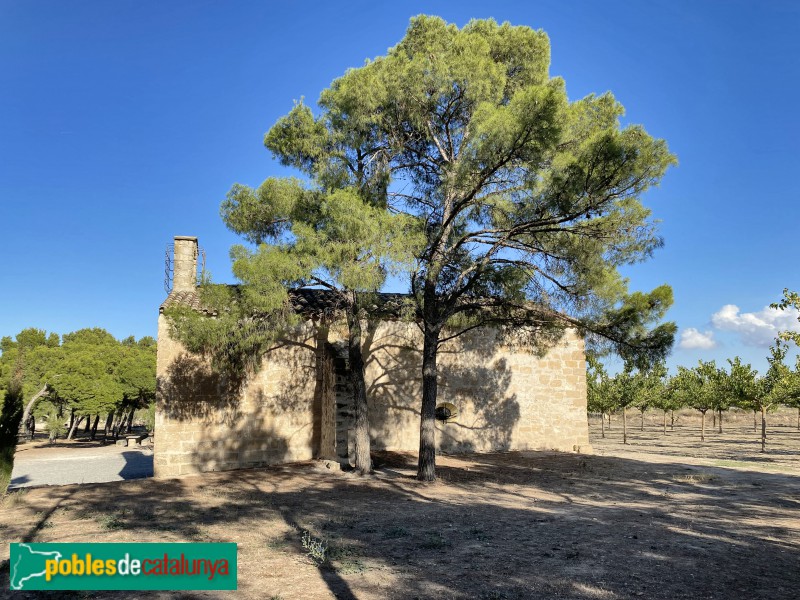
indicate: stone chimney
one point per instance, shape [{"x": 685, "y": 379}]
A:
[{"x": 184, "y": 278}]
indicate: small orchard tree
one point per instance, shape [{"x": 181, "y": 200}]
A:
[
  {"x": 723, "y": 399},
  {"x": 697, "y": 388},
  {"x": 775, "y": 386},
  {"x": 744, "y": 385},
  {"x": 625, "y": 388},
  {"x": 791, "y": 388},
  {"x": 791, "y": 301},
  {"x": 600, "y": 395},
  {"x": 761, "y": 394},
  {"x": 669, "y": 400},
  {"x": 650, "y": 389}
]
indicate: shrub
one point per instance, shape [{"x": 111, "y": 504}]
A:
[
  {"x": 55, "y": 424},
  {"x": 316, "y": 549},
  {"x": 10, "y": 418}
]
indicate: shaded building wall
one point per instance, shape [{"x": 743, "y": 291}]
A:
[
  {"x": 506, "y": 398},
  {"x": 295, "y": 407},
  {"x": 205, "y": 423}
]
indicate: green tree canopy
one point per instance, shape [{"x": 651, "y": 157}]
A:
[
  {"x": 90, "y": 372},
  {"x": 748, "y": 390},
  {"x": 34, "y": 354},
  {"x": 700, "y": 388},
  {"x": 599, "y": 397},
  {"x": 790, "y": 300},
  {"x": 651, "y": 388},
  {"x": 529, "y": 202},
  {"x": 743, "y": 384}
]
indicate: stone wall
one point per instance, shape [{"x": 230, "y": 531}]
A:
[
  {"x": 205, "y": 423},
  {"x": 507, "y": 397}
]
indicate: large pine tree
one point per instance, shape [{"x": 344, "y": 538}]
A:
[{"x": 529, "y": 202}]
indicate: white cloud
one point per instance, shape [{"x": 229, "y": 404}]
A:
[
  {"x": 755, "y": 328},
  {"x": 692, "y": 339}
]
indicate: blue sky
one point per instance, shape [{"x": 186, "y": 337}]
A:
[{"x": 124, "y": 123}]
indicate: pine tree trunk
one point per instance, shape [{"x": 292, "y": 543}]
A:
[
  {"x": 115, "y": 424},
  {"x": 88, "y": 426},
  {"x": 624, "y": 425},
  {"x": 665, "y": 422},
  {"x": 71, "y": 420},
  {"x": 763, "y": 428},
  {"x": 109, "y": 423},
  {"x": 426, "y": 469},
  {"x": 720, "y": 420},
  {"x": 94, "y": 427},
  {"x": 75, "y": 424},
  {"x": 123, "y": 419},
  {"x": 28, "y": 412},
  {"x": 602, "y": 424},
  {"x": 129, "y": 424},
  {"x": 363, "y": 460},
  {"x": 30, "y": 428},
  {"x": 119, "y": 418},
  {"x": 324, "y": 436}
]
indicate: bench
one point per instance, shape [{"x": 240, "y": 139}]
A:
[{"x": 130, "y": 440}]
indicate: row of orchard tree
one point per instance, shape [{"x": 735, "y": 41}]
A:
[
  {"x": 80, "y": 379},
  {"x": 705, "y": 387}
]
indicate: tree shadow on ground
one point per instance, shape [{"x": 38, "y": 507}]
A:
[
  {"x": 137, "y": 465},
  {"x": 78, "y": 442},
  {"x": 513, "y": 526},
  {"x": 17, "y": 481},
  {"x": 736, "y": 443}
]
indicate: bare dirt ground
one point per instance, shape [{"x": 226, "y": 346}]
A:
[{"x": 662, "y": 518}]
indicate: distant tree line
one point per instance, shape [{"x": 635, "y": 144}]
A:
[
  {"x": 86, "y": 379},
  {"x": 705, "y": 388}
]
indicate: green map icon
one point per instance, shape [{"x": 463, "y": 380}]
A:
[{"x": 28, "y": 564}]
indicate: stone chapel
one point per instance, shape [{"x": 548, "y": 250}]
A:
[{"x": 298, "y": 406}]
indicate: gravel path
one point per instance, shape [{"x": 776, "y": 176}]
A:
[{"x": 60, "y": 466}]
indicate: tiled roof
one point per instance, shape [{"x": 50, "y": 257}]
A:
[
  {"x": 307, "y": 301},
  {"x": 190, "y": 299}
]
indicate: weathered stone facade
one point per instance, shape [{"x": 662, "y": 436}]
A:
[{"x": 298, "y": 406}]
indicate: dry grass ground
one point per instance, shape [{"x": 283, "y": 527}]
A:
[{"x": 662, "y": 518}]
